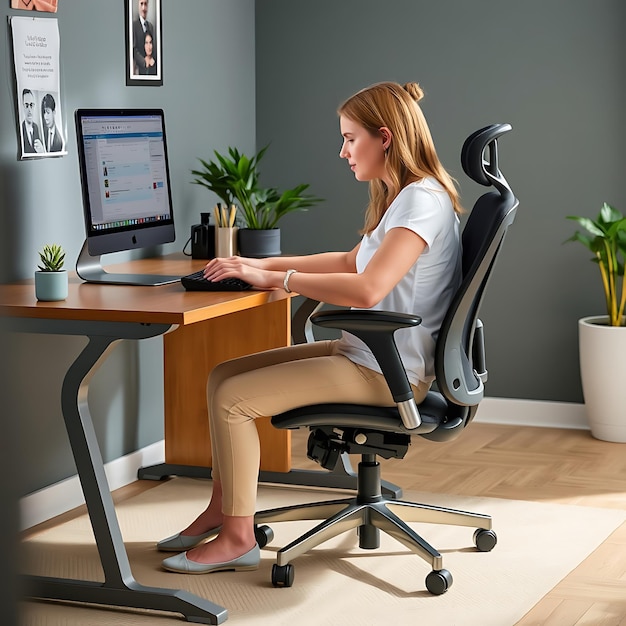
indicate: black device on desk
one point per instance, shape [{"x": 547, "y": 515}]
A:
[
  {"x": 203, "y": 239},
  {"x": 197, "y": 282}
]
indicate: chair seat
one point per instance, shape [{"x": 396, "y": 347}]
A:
[{"x": 433, "y": 411}]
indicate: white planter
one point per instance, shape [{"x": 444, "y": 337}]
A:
[
  {"x": 602, "y": 351},
  {"x": 51, "y": 286}
]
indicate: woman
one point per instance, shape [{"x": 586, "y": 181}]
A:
[
  {"x": 407, "y": 261},
  {"x": 150, "y": 61}
]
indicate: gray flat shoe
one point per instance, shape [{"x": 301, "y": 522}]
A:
[
  {"x": 181, "y": 564},
  {"x": 180, "y": 543}
]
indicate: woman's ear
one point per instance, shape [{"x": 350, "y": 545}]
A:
[{"x": 386, "y": 136}]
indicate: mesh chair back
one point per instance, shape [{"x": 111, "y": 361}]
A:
[{"x": 459, "y": 361}]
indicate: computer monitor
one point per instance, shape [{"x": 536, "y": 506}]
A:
[{"x": 124, "y": 173}]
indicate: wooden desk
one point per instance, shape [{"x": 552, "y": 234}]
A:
[
  {"x": 213, "y": 328},
  {"x": 200, "y": 329},
  {"x": 209, "y": 328}
]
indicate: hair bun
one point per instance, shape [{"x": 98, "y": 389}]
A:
[{"x": 415, "y": 91}]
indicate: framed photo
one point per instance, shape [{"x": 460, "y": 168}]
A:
[
  {"x": 49, "y": 6},
  {"x": 143, "y": 42}
]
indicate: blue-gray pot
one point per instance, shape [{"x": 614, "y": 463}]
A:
[{"x": 51, "y": 286}]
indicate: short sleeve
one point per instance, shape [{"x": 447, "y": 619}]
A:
[{"x": 419, "y": 208}]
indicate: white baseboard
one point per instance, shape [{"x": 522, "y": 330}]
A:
[
  {"x": 61, "y": 497},
  {"x": 532, "y": 413},
  {"x": 67, "y": 494}
]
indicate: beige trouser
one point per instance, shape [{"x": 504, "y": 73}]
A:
[{"x": 268, "y": 383}]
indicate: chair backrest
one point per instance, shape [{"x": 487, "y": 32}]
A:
[{"x": 459, "y": 357}]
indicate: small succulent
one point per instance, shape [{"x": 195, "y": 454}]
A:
[{"x": 52, "y": 258}]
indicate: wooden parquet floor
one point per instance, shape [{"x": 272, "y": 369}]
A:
[
  {"x": 519, "y": 463},
  {"x": 536, "y": 464}
]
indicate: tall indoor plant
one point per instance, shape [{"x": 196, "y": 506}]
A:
[
  {"x": 602, "y": 339},
  {"x": 234, "y": 178}
]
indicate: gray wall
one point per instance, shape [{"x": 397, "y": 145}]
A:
[
  {"x": 554, "y": 70},
  {"x": 209, "y": 100},
  {"x": 9, "y": 495}
]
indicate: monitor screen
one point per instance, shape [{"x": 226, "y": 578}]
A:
[{"x": 125, "y": 181}]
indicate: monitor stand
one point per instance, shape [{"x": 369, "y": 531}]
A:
[{"x": 90, "y": 269}]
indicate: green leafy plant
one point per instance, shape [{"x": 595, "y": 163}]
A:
[
  {"x": 52, "y": 258},
  {"x": 234, "y": 178},
  {"x": 606, "y": 238}
]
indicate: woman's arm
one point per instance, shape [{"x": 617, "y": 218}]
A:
[
  {"x": 398, "y": 251},
  {"x": 324, "y": 262},
  {"x": 331, "y": 277}
]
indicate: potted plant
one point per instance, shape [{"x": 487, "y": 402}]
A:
[
  {"x": 51, "y": 282},
  {"x": 602, "y": 339},
  {"x": 234, "y": 178}
]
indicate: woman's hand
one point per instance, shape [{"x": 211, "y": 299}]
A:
[{"x": 244, "y": 268}]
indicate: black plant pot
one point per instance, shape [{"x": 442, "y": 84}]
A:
[{"x": 259, "y": 243}]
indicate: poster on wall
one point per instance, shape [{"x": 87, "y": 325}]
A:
[
  {"x": 50, "y": 6},
  {"x": 36, "y": 47},
  {"x": 143, "y": 42}
]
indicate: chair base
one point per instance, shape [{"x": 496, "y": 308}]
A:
[{"x": 370, "y": 512}]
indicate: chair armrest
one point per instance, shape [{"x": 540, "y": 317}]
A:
[
  {"x": 478, "y": 351},
  {"x": 376, "y": 329},
  {"x": 301, "y": 328}
]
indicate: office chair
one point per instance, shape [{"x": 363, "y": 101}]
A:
[{"x": 341, "y": 429}]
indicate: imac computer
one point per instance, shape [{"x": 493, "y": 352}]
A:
[{"x": 124, "y": 173}]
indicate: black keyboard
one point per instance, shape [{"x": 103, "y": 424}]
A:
[{"x": 197, "y": 282}]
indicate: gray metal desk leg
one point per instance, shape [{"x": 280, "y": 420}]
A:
[{"x": 119, "y": 587}]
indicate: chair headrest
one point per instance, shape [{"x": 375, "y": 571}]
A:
[{"x": 479, "y": 167}]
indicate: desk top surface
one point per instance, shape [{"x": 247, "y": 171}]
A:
[{"x": 165, "y": 304}]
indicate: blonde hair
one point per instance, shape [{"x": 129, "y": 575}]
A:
[{"x": 411, "y": 156}]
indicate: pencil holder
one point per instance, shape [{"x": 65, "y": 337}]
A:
[{"x": 225, "y": 241}]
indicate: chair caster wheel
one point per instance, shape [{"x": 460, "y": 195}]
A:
[
  {"x": 438, "y": 581},
  {"x": 282, "y": 575},
  {"x": 263, "y": 535},
  {"x": 485, "y": 540}
]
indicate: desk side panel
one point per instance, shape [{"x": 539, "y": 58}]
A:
[{"x": 190, "y": 353}]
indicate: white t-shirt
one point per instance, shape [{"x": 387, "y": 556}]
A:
[{"x": 427, "y": 288}]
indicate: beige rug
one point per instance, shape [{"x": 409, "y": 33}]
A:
[{"x": 538, "y": 545}]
